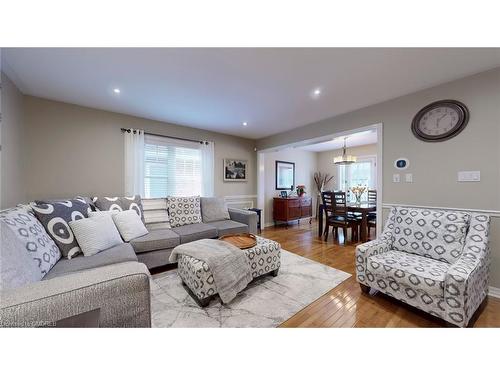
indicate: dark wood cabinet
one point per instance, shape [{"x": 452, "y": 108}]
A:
[{"x": 290, "y": 209}]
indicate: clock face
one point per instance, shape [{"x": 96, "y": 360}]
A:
[{"x": 440, "y": 120}]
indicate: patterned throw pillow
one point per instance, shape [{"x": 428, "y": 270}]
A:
[
  {"x": 55, "y": 217},
  {"x": 30, "y": 232},
  {"x": 120, "y": 204},
  {"x": 435, "y": 234},
  {"x": 184, "y": 210}
]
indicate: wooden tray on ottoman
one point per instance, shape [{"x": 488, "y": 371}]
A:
[{"x": 241, "y": 240}]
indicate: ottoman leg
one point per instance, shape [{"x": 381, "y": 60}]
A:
[
  {"x": 275, "y": 272},
  {"x": 201, "y": 302}
]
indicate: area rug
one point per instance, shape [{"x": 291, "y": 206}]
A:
[{"x": 266, "y": 302}]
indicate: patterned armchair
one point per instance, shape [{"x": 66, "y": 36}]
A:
[{"x": 435, "y": 260}]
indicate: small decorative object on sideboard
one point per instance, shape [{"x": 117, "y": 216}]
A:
[
  {"x": 358, "y": 192},
  {"x": 301, "y": 190}
]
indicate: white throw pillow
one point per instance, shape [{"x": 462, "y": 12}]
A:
[
  {"x": 95, "y": 234},
  {"x": 129, "y": 225}
]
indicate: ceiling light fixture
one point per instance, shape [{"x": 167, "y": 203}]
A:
[
  {"x": 316, "y": 93},
  {"x": 344, "y": 159},
  {"x": 245, "y": 123},
  {"x": 116, "y": 91}
]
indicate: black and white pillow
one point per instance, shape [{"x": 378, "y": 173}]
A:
[
  {"x": 120, "y": 204},
  {"x": 30, "y": 232},
  {"x": 55, "y": 217},
  {"x": 184, "y": 210}
]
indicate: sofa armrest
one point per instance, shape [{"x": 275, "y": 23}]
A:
[
  {"x": 364, "y": 251},
  {"x": 245, "y": 217},
  {"x": 381, "y": 245},
  {"x": 121, "y": 292},
  {"x": 466, "y": 283}
]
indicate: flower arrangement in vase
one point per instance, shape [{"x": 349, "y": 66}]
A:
[
  {"x": 301, "y": 190},
  {"x": 358, "y": 192}
]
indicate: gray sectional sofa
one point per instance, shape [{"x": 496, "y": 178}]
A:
[
  {"x": 154, "y": 248},
  {"x": 114, "y": 282}
]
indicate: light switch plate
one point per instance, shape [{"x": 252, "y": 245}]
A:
[
  {"x": 469, "y": 176},
  {"x": 396, "y": 177},
  {"x": 408, "y": 177}
]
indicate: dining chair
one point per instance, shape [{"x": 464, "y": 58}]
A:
[
  {"x": 337, "y": 215},
  {"x": 372, "y": 216},
  {"x": 372, "y": 196}
]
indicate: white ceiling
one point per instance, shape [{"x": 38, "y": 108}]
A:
[
  {"x": 218, "y": 89},
  {"x": 353, "y": 140}
]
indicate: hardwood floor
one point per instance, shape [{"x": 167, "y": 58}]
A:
[{"x": 345, "y": 305}]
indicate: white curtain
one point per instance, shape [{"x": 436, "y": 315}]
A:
[
  {"x": 207, "y": 169},
  {"x": 134, "y": 162}
]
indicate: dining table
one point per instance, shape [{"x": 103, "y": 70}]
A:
[{"x": 363, "y": 207}]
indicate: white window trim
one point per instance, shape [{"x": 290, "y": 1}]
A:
[
  {"x": 164, "y": 141},
  {"x": 364, "y": 158}
]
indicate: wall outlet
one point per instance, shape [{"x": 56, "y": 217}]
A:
[
  {"x": 469, "y": 176},
  {"x": 396, "y": 178},
  {"x": 408, "y": 177}
]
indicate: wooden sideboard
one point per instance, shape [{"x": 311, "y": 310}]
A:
[{"x": 293, "y": 208}]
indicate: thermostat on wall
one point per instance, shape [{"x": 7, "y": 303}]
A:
[{"x": 401, "y": 163}]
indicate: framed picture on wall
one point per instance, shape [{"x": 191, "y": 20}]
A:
[{"x": 235, "y": 170}]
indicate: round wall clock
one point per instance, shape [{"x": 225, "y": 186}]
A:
[{"x": 440, "y": 121}]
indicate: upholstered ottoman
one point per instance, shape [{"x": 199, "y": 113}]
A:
[{"x": 263, "y": 258}]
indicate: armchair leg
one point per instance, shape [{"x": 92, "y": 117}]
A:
[{"x": 364, "y": 289}]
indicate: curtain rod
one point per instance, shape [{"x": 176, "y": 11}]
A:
[{"x": 168, "y": 136}]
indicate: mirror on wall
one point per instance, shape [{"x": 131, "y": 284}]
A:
[{"x": 285, "y": 175}]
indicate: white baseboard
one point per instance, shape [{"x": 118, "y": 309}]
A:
[{"x": 494, "y": 292}]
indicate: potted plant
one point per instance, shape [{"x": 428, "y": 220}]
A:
[{"x": 301, "y": 190}]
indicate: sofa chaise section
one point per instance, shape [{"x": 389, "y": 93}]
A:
[
  {"x": 120, "y": 292},
  {"x": 117, "y": 254}
]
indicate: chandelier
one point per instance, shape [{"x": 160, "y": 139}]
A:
[{"x": 345, "y": 159}]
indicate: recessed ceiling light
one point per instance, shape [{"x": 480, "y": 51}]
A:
[
  {"x": 315, "y": 93},
  {"x": 245, "y": 123},
  {"x": 116, "y": 91}
]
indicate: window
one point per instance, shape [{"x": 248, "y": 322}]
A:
[
  {"x": 363, "y": 172},
  {"x": 171, "y": 167}
]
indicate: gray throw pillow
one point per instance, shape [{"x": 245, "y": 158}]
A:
[
  {"x": 214, "y": 209},
  {"x": 120, "y": 204},
  {"x": 55, "y": 217},
  {"x": 32, "y": 239}
]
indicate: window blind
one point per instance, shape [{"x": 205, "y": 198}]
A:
[{"x": 171, "y": 167}]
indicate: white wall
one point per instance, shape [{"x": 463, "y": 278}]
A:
[
  {"x": 434, "y": 165},
  {"x": 305, "y": 166},
  {"x": 325, "y": 160}
]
